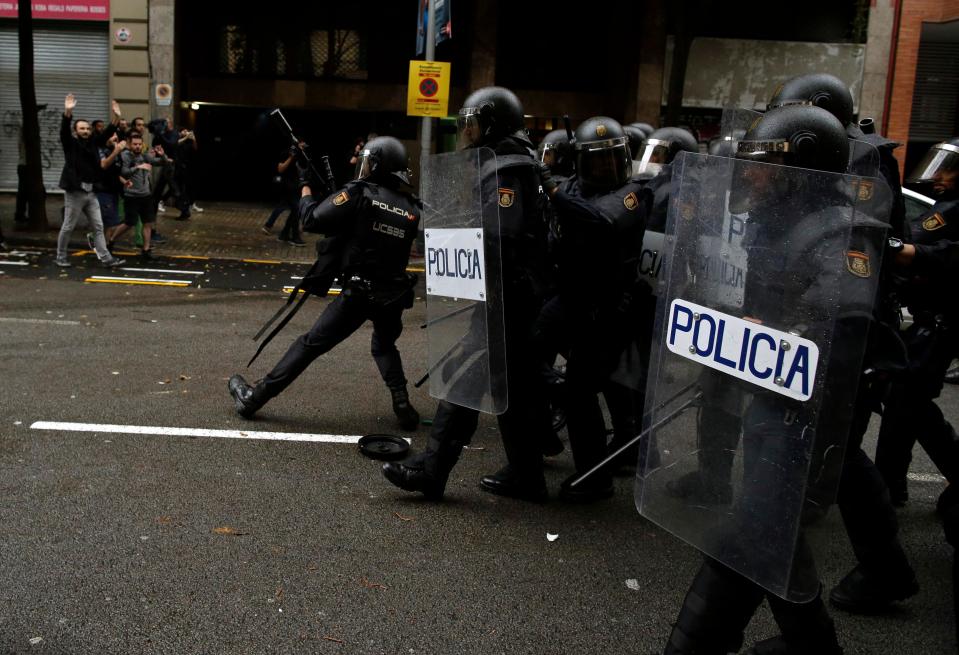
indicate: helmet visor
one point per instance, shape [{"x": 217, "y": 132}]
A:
[
  {"x": 939, "y": 167},
  {"x": 655, "y": 154},
  {"x": 469, "y": 132},
  {"x": 603, "y": 164},
  {"x": 364, "y": 165},
  {"x": 776, "y": 151}
]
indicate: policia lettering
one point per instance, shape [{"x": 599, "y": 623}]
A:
[{"x": 454, "y": 262}]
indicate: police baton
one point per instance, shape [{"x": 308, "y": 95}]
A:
[
  {"x": 280, "y": 120},
  {"x": 692, "y": 402}
]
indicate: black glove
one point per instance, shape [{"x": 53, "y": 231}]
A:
[{"x": 546, "y": 179}]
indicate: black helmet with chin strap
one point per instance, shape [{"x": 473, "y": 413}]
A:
[
  {"x": 797, "y": 135},
  {"x": 555, "y": 151},
  {"x": 602, "y": 153},
  {"x": 662, "y": 146}
]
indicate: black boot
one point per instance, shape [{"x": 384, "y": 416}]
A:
[
  {"x": 717, "y": 608},
  {"x": 868, "y": 593},
  {"x": 408, "y": 417},
  {"x": 244, "y": 397},
  {"x": 506, "y": 483},
  {"x": 807, "y": 629},
  {"x": 426, "y": 472}
]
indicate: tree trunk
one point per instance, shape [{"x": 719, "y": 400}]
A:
[{"x": 30, "y": 130}]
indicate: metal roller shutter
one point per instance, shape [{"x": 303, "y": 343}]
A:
[
  {"x": 68, "y": 59},
  {"x": 935, "y": 100}
]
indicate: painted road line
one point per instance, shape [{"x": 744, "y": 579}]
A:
[
  {"x": 81, "y": 253},
  {"x": 162, "y": 270},
  {"x": 23, "y": 253},
  {"x": 926, "y": 477},
  {"x": 6, "y": 263},
  {"x": 415, "y": 269},
  {"x": 195, "y": 432},
  {"x": 332, "y": 292},
  {"x": 187, "y": 257},
  {"x": 138, "y": 280},
  {"x": 261, "y": 261},
  {"x": 51, "y": 321}
]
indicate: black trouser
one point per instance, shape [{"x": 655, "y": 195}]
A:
[
  {"x": 591, "y": 355},
  {"x": 182, "y": 177},
  {"x": 519, "y": 425},
  {"x": 339, "y": 320},
  {"x": 864, "y": 500},
  {"x": 166, "y": 185},
  {"x": 912, "y": 414}
]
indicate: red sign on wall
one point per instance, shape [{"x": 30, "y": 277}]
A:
[{"x": 64, "y": 10}]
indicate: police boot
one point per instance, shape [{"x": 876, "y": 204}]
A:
[
  {"x": 506, "y": 482},
  {"x": 408, "y": 417},
  {"x": 807, "y": 629},
  {"x": 246, "y": 399},
  {"x": 426, "y": 472},
  {"x": 717, "y": 608},
  {"x": 863, "y": 592}
]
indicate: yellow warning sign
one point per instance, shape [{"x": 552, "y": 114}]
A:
[{"x": 429, "y": 89}]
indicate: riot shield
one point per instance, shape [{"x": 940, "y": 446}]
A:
[
  {"x": 464, "y": 295},
  {"x": 765, "y": 300},
  {"x": 735, "y": 122},
  {"x": 863, "y": 159}
]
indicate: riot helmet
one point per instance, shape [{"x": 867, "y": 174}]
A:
[
  {"x": 487, "y": 115},
  {"x": 555, "y": 151},
  {"x": 797, "y": 135},
  {"x": 662, "y": 146},
  {"x": 380, "y": 157},
  {"x": 800, "y": 136},
  {"x": 602, "y": 153},
  {"x": 645, "y": 127},
  {"x": 939, "y": 169},
  {"x": 725, "y": 146},
  {"x": 817, "y": 89}
]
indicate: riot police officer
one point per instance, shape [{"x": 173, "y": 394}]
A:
[
  {"x": 592, "y": 318},
  {"x": 492, "y": 117},
  {"x": 555, "y": 151},
  {"x": 655, "y": 166},
  {"x": 832, "y": 94},
  {"x": 721, "y": 602},
  {"x": 637, "y": 139},
  {"x": 883, "y": 573},
  {"x": 370, "y": 226},
  {"x": 927, "y": 265}
]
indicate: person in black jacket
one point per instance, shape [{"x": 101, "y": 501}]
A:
[
  {"x": 81, "y": 170},
  {"x": 370, "y": 226},
  {"x": 492, "y": 117}
]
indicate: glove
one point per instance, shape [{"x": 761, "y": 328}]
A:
[{"x": 546, "y": 179}]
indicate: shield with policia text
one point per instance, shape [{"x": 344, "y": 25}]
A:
[
  {"x": 464, "y": 294},
  {"x": 766, "y": 297}
]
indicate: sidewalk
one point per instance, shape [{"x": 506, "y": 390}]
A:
[{"x": 224, "y": 230}]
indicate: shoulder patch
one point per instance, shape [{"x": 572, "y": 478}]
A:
[
  {"x": 858, "y": 263},
  {"x": 631, "y": 202},
  {"x": 865, "y": 190},
  {"x": 506, "y": 197},
  {"x": 340, "y": 198},
  {"x": 934, "y": 222}
]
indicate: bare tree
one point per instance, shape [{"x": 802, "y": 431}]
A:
[{"x": 30, "y": 130}]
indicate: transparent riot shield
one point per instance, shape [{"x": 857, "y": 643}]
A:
[
  {"x": 766, "y": 296},
  {"x": 863, "y": 159},
  {"x": 464, "y": 295}
]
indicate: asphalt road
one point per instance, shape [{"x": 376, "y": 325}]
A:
[{"x": 123, "y": 543}]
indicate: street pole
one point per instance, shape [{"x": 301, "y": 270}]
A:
[{"x": 430, "y": 54}]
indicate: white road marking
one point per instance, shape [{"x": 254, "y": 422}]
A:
[
  {"x": 17, "y": 263},
  {"x": 162, "y": 270},
  {"x": 194, "y": 432},
  {"x": 38, "y": 320},
  {"x": 138, "y": 280},
  {"x": 926, "y": 477}
]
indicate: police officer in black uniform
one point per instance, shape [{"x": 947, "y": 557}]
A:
[
  {"x": 370, "y": 226},
  {"x": 593, "y": 316},
  {"x": 492, "y": 117},
  {"x": 556, "y": 152},
  {"x": 928, "y": 265},
  {"x": 721, "y": 602},
  {"x": 883, "y": 573}
]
